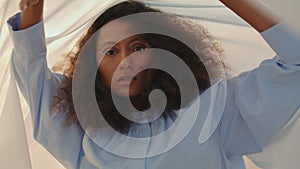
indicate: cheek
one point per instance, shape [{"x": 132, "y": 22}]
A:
[
  {"x": 142, "y": 79},
  {"x": 143, "y": 60},
  {"x": 107, "y": 69}
]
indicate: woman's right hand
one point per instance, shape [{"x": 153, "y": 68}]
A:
[
  {"x": 32, "y": 12},
  {"x": 27, "y": 3}
]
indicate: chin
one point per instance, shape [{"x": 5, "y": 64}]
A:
[{"x": 125, "y": 94}]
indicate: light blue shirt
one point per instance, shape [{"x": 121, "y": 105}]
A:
[{"x": 258, "y": 104}]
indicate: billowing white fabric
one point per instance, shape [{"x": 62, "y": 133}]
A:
[
  {"x": 66, "y": 20},
  {"x": 13, "y": 143}
]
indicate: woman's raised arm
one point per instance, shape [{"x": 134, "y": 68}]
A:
[
  {"x": 253, "y": 12},
  {"x": 266, "y": 98},
  {"x": 32, "y": 12}
]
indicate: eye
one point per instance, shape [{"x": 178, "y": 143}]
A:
[
  {"x": 139, "y": 46},
  {"x": 109, "y": 51}
]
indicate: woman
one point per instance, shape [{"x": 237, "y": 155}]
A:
[{"x": 239, "y": 132}]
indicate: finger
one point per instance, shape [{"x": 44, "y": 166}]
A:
[
  {"x": 22, "y": 5},
  {"x": 35, "y": 2},
  {"x": 26, "y": 3}
]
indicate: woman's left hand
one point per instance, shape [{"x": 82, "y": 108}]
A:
[{"x": 253, "y": 12}]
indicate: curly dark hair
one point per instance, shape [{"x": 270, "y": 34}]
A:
[{"x": 203, "y": 60}]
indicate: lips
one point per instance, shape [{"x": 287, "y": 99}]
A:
[{"x": 126, "y": 80}]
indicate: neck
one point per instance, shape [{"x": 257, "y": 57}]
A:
[{"x": 139, "y": 102}]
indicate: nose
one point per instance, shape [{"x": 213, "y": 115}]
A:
[{"x": 126, "y": 62}]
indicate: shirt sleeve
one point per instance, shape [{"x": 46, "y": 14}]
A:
[
  {"x": 262, "y": 101},
  {"x": 14, "y": 21},
  {"x": 39, "y": 84},
  {"x": 285, "y": 43}
]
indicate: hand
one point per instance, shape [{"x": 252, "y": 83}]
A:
[
  {"x": 253, "y": 12},
  {"x": 26, "y": 3},
  {"x": 32, "y": 12}
]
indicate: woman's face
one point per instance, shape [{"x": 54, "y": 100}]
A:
[{"x": 115, "y": 58}]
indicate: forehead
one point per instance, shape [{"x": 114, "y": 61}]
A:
[{"x": 116, "y": 31}]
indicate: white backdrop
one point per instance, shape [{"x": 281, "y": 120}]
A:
[{"x": 65, "y": 20}]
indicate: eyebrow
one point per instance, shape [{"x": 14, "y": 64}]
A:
[
  {"x": 107, "y": 44},
  {"x": 114, "y": 43},
  {"x": 136, "y": 39}
]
